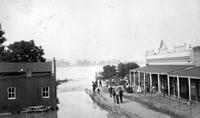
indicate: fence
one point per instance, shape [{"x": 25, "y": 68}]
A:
[{"x": 171, "y": 105}]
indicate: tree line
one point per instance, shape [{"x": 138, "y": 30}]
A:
[
  {"x": 20, "y": 51},
  {"x": 121, "y": 70}
]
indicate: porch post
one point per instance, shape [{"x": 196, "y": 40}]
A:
[
  {"x": 159, "y": 90},
  {"x": 150, "y": 82},
  {"x": 168, "y": 85},
  {"x": 130, "y": 77},
  {"x": 189, "y": 87},
  {"x": 139, "y": 79},
  {"x": 178, "y": 87},
  {"x": 144, "y": 83},
  {"x": 134, "y": 78}
]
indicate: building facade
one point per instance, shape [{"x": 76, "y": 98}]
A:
[
  {"x": 175, "y": 73},
  {"x": 26, "y": 84}
]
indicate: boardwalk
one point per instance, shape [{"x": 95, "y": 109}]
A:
[{"x": 130, "y": 107}]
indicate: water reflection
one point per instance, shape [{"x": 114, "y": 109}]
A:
[
  {"x": 50, "y": 114},
  {"x": 77, "y": 104},
  {"x": 74, "y": 102}
]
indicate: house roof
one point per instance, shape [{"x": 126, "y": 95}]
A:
[
  {"x": 34, "y": 67},
  {"x": 161, "y": 68},
  {"x": 189, "y": 72}
]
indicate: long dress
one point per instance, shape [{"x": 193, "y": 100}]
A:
[{"x": 139, "y": 90}]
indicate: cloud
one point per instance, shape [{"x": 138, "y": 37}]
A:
[{"x": 97, "y": 30}]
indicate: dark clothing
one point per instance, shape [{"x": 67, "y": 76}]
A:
[
  {"x": 121, "y": 100},
  {"x": 120, "y": 92},
  {"x": 93, "y": 87},
  {"x": 110, "y": 91},
  {"x": 96, "y": 83},
  {"x": 100, "y": 84},
  {"x": 114, "y": 94},
  {"x": 93, "y": 90},
  {"x": 98, "y": 90},
  {"x": 117, "y": 98},
  {"x": 120, "y": 95}
]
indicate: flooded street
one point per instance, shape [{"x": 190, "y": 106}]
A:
[
  {"x": 74, "y": 102},
  {"x": 145, "y": 55},
  {"x": 77, "y": 104}
]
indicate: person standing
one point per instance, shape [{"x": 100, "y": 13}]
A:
[
  {"x": 163, "y": 90},
  {"x": 106, "y": 83},
  {"x": 114, "y": 94},
  {"x": 110, "y": 91},
  {"x": 120, "y": 94},
  {"x": 117, "y": 96},
  {"x": 112, "y": 82},
  {"x": 96, "y": 83},
  {"x": 100, "y": 84},
  {"x": 98, "y": 90},
  {"x": 153, "y": 89},
  {"x": 93, "y": 86}
]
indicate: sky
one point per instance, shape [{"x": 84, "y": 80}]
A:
[{"x": 101, "y": 29}]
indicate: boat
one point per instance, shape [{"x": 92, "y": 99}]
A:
[{"x": 36, "y": 109}]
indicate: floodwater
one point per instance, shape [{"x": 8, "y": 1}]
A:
[{"x": 73, "y": 101}]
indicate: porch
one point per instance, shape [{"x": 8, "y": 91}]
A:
[{"x": 172, "y": 81}]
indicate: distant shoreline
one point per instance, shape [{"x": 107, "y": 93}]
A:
[{"x": 77, "y": 66}]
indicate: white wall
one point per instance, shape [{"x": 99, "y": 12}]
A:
[{"x": 171, "y": 58}]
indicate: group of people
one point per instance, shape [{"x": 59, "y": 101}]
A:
[
  {"x": 117, "y": 94},
  {"x": 96, "y": 85},
  {"x": 110, "y": 83}
]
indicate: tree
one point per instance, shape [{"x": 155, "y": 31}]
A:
[
  {"x": 2, "y": 47},
  {"x": 109, "y": 71},
  {"x": 123, "y": 69},
  {"x": 25, "y": 51}
]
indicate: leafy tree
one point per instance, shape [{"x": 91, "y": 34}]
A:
[
  {"x": 109, "y": 71},
  {"x": 25, "y": 51},
  {"x": 2, "y": 47},
  {"x": 123, "y": 68}
]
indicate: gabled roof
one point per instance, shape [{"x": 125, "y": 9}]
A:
[
  {"x": 34, "y": 67},
  {"x": 189, "y": 72},
  {"x": 164, "y": 69},
  {"x": 162, "y": 47}
]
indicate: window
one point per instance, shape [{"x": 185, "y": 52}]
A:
[
  {"x": 45, "y": 92},
  {"x": 28, "y": 73},
  {"x": 11, "y": 93}
]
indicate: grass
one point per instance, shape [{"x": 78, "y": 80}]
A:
[
  {"x": 104, "y": 104},
  {"x": 157, "y": 107}
]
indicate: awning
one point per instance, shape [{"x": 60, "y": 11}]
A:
[
  {"x": 193, "y": 72},
  {"x": 162, "y": 69}
]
